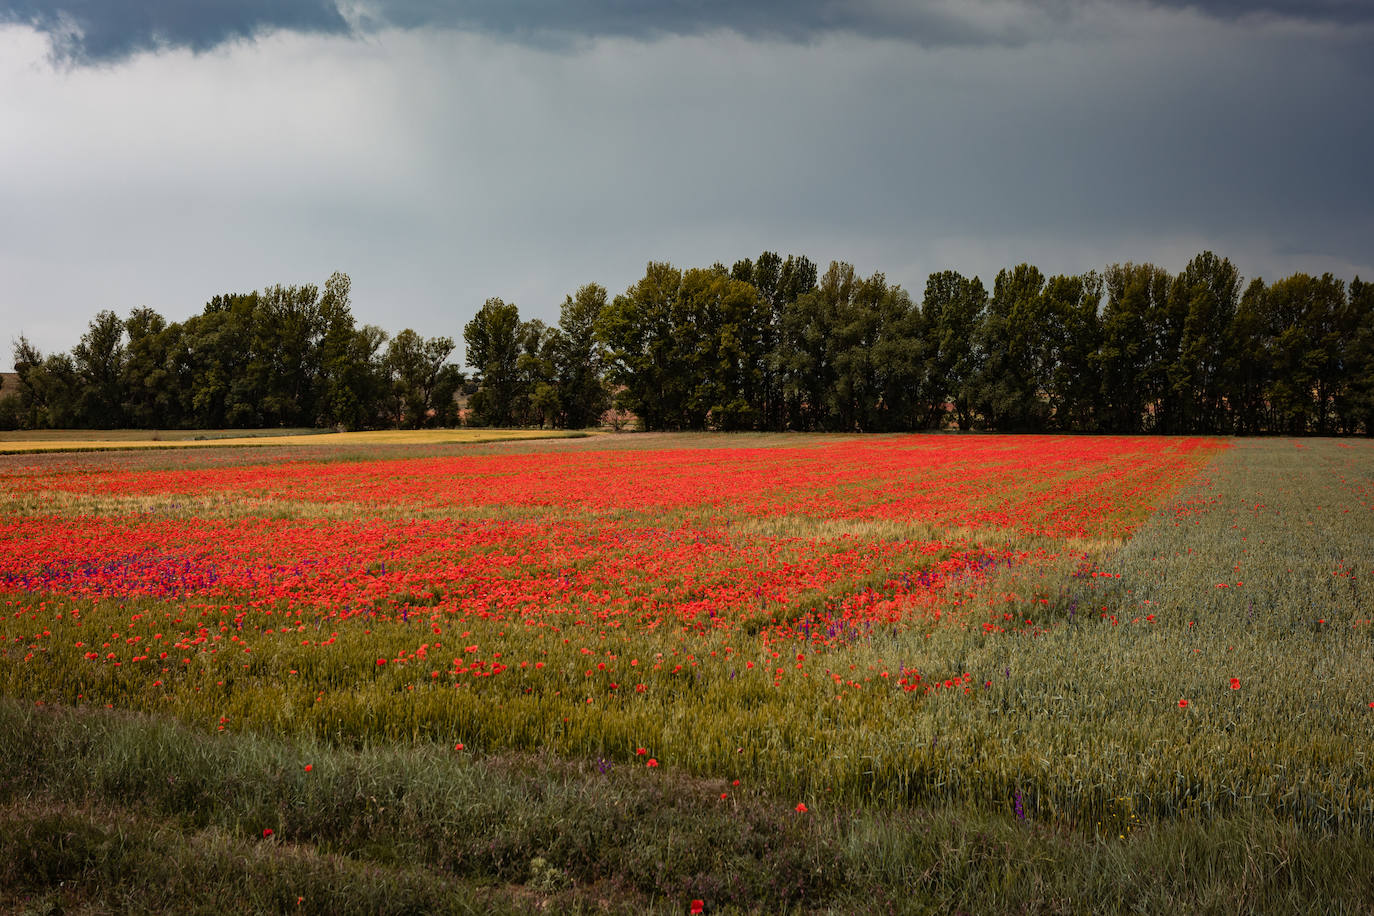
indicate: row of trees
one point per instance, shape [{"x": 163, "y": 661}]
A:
[
  {"x": 765, "y": 344},
  {"x": 286, "y": 356},
  {"x": 770, "y": 344}
]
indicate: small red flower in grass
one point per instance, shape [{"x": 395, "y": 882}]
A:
[
  {"x": 1235, "y": 683},
  {"x": 1182, "y": 704},
  {"x": 641, "y": 751},
  {"x": 309, "y": 767},
  {"x": 724, "y": 795},
  {"x": 698, "y": 907},
  {"x": 266, "y": 832},
  {"x": 458, "y": 747},
  {"x": 652, "y": 762},
  {"x": 801, "y": 807}
]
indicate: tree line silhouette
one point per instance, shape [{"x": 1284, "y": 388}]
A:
[{"x": 766, "y": 344}]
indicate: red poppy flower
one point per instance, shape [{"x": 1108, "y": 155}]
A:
[
  {"x": 1235, "y": 683},
  {"x": 801, "y": 807},
  {"x": 266, "y": 831},
  {"x": 652, "y": 762},
  {"x": 1182, "y": 704},
  {"x": 698, "y": 907}
]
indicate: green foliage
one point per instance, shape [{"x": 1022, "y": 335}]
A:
[
  {"x": 952, "y": 309},
  {"x": 536, "y": 401},
  {"x": 493, "y": 351},
  {"x": 1245, "y": 362},
  {"x": 1018, "y": 360},
  {"x": 1073, "y": 335},
  {"x": 1301, "y": 315},
  {"x": 1206, "y": 294},
  {"x": 578, "y": 357},
  {"x": 643, "y": 359},
  {"x": 99, "y": 362},
  {"x": 1354, "y": 401},
  {"x": 851, "y": 355},
  {"x": 423, "y": 382},
  {"x": 720, "y": 323},
  {"x": 212, "y": 363},
  {"x": 1134, "y": 357},
  {"x": 779, "y": 283},
  {"x": 47, "y": 389},
  {"x": 149, "y": 382},
  {"x": 353, "y": 382},
  {"x": 686, "y": 349},
  {"x": 284, "y": 364}
]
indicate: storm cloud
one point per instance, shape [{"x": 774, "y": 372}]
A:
[
  {"x": 443, "y": 154},
  {"x": 86, "y": 31},
  {"x": 100, "y": 31}
]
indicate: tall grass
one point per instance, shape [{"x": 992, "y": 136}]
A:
[{"x": 136, "y": 814}]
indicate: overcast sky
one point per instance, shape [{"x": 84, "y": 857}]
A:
[{"x": 157, "y": 152}]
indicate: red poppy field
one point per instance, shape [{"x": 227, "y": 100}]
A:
[
  {"x": 1101, "y": 635},
  {"x": 666, "y": 554}
]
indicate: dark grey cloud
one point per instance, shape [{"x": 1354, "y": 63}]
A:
[
  {"x": 1331, "y": 11},
  {"x": 85, "y": 31},
  {"x": 928, "y": 22}
]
